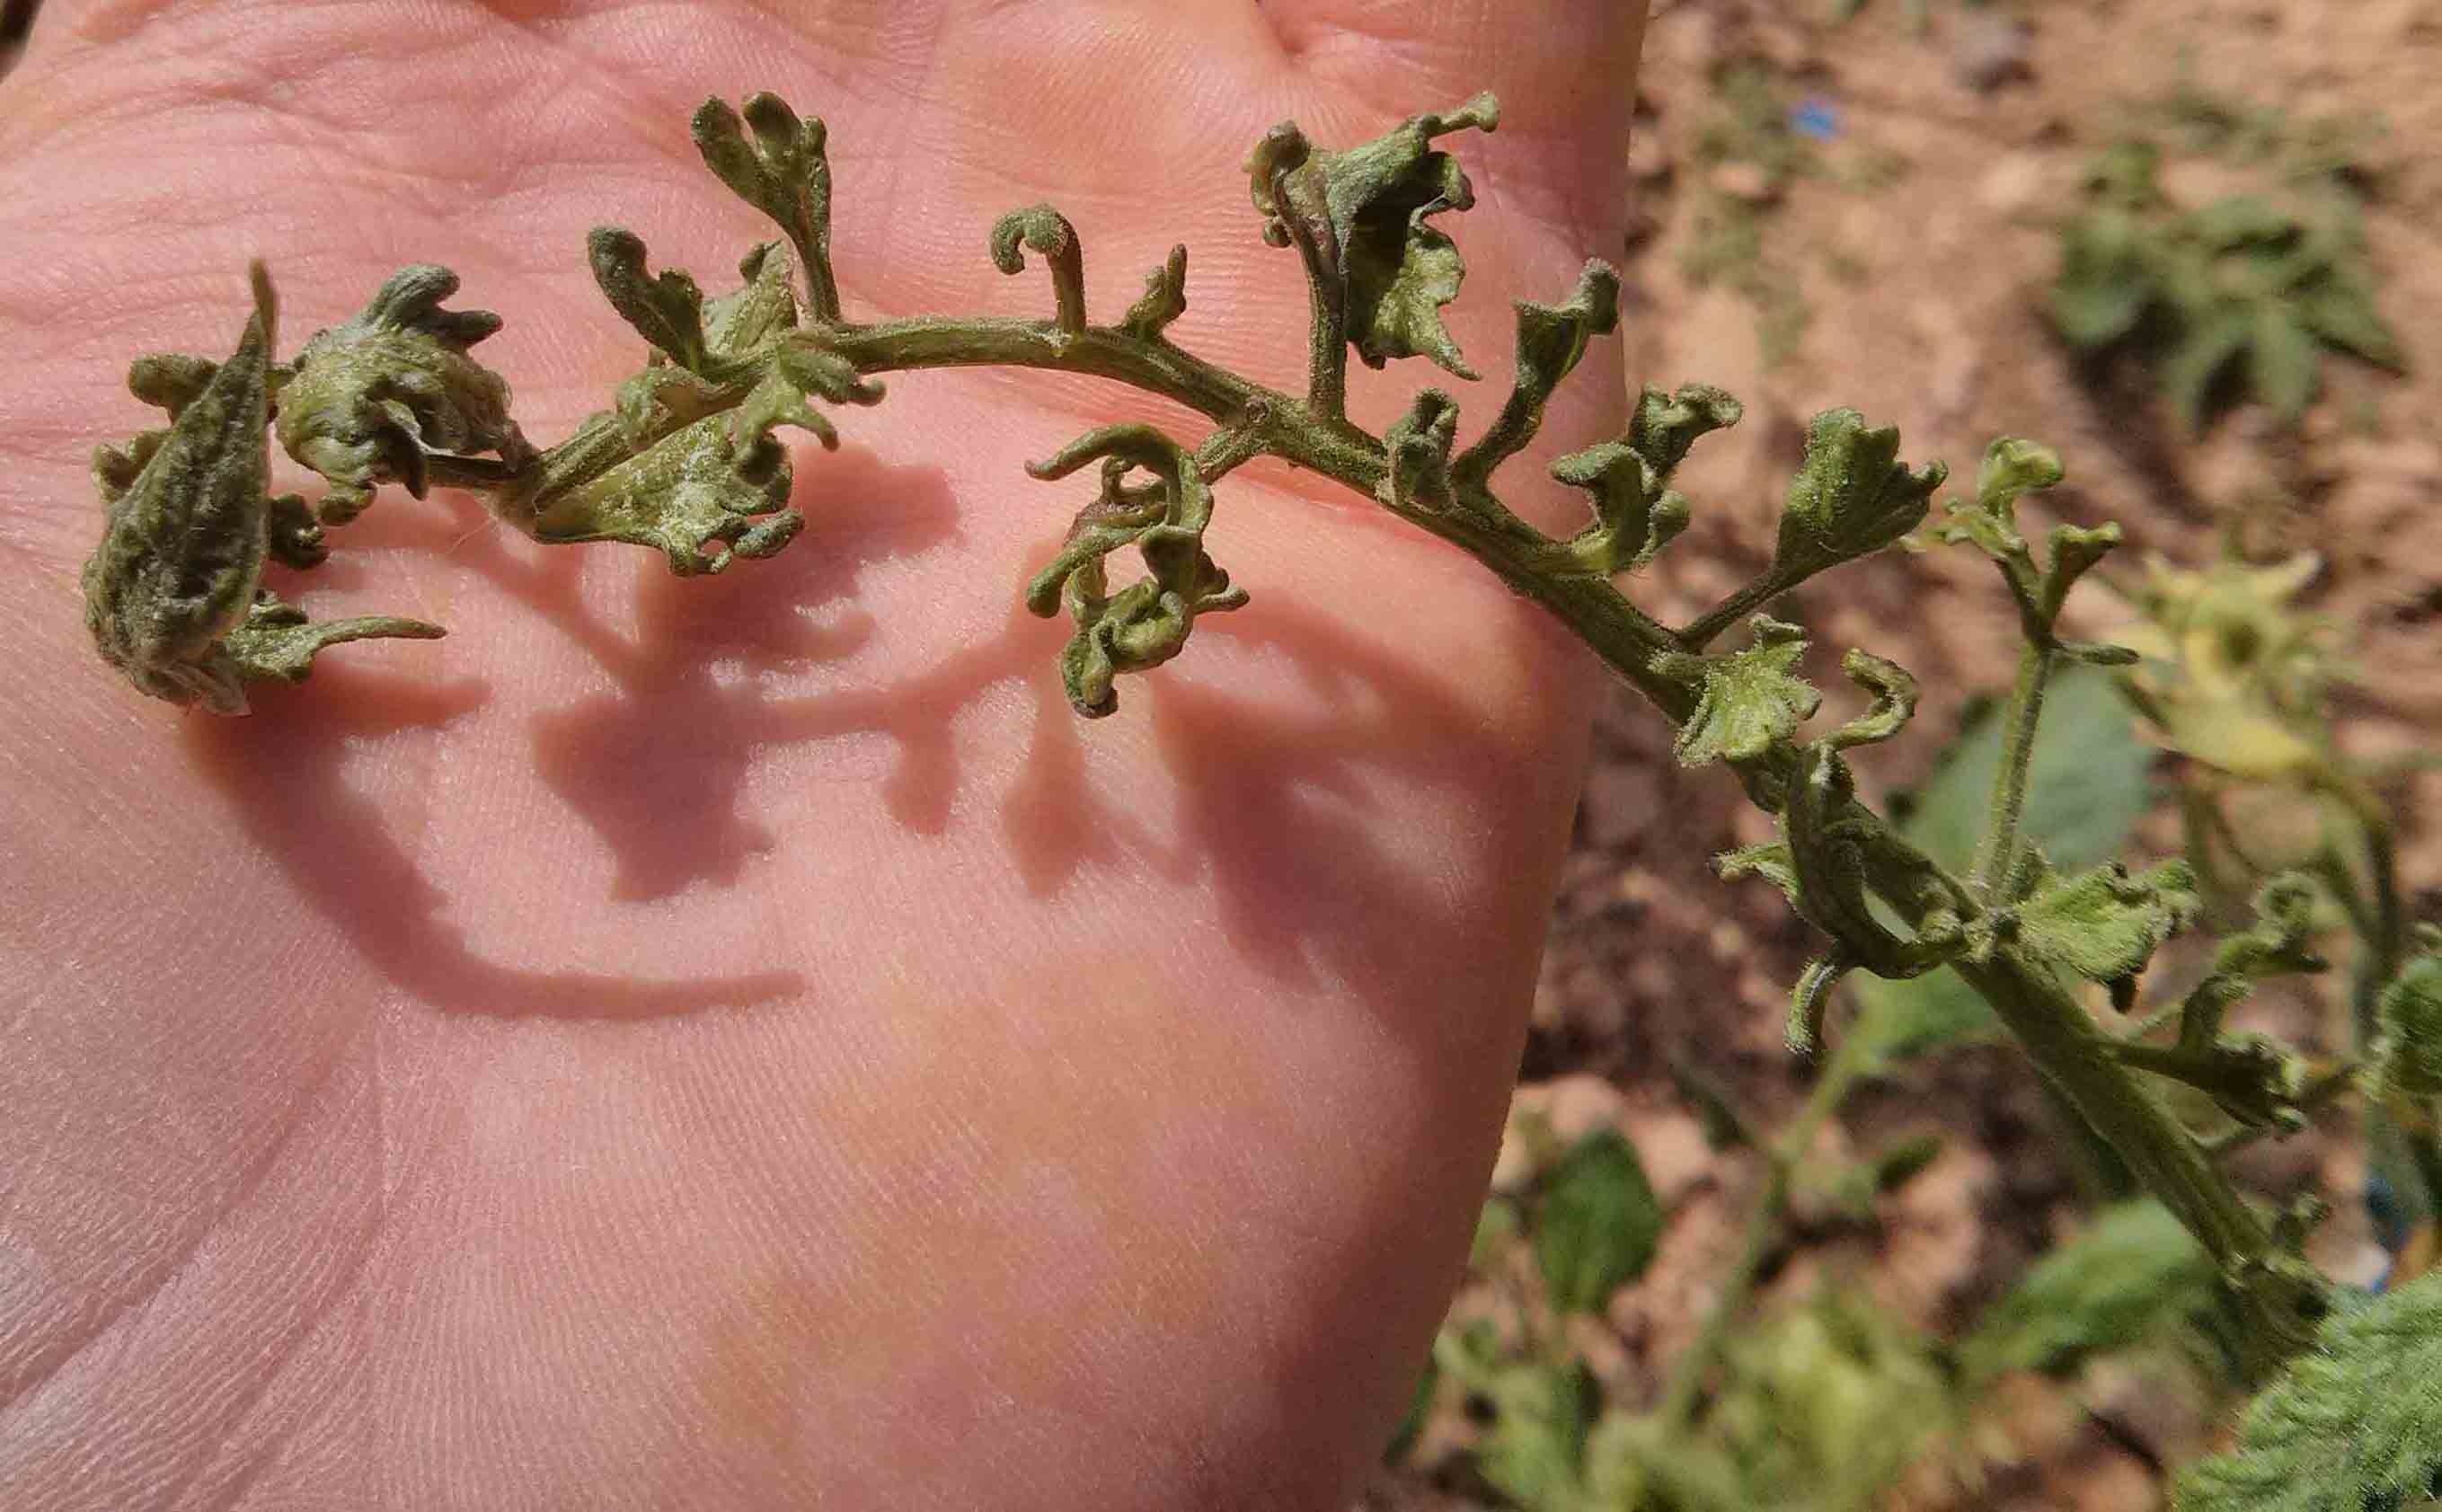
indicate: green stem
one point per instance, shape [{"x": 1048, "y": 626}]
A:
[
  {"x": 1998, "y": 860},
  {"x": 1762, "y": 1235},
  {"x": 2279, "y": 1302},
  {"x": 1709, "y": 626},
  {"x": 2057, "y": 1032}
]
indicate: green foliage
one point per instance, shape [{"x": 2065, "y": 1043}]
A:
[
  {"x": 2408, "y": 1054},
  {"x": 2090, "y": 782},
  {"x": 2133, "y": 1275},
  {"x": 1746, "y": 700},
  {"x": 2242, "y": 288},
  {"x": 1596, "y": 1223},
  {"x": 1366, "y": 215},
  {"x": 2104, "y": 924},
  {"x": 688, "y": 462},
  {"x": 1851, "y": 497},
  {"x": 2355, "y": 1426}
]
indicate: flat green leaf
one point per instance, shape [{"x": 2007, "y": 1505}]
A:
[
  {"x": 2133, "y": 1275},
  {"x": 2090, "y": 782},
  {"x": 2355, "y": 1426},
  {"x": 1598, "y": 1224},
  {"x": 1900, "y": 1020},
  {"x": 1536, "y": 1448}
]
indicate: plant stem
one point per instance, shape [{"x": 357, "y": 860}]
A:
[
  {"x": 1709, "y": 626},
  {"x": 2278, "y": 1300},
  {"x": 1998, "y": 860},
  {"x": 1762, "y": 1234},
  {"x": 2057, "y": 1032}
]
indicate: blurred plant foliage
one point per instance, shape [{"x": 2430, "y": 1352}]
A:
[
  {"x": 2243, "y": 294},
  {"x": 1826, "y": 1401}
]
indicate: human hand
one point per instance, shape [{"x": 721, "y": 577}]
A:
[{"x": 740, "y": 1042}]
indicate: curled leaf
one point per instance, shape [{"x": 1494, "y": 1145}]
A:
[
  {"x": 1895, "y": 696},
  {"x": 1049, "y": 234},
  {"x": 173, "y": 594},
  {"x": 2278, "y": 944},
  {"x": 665, "y": 309},
  {"x": 1164, "y": 300},
  {"x": 1550, "y": 341},
  {"x": 2105, "y": 924},
  {"x": 694, "y": 495},
  {"x": 1362, "y": 219},
  {"x": 1665, "y": 426},
  {"x": 386, "y": 394},
  {"x": 2408, "y": 1051},
  {"x": 1746, "y": 700},
  {"x": 781, "y": 170},
  {"x": 1853, "y": 496},
  {"x": 1634, "y": 517},
  {"x": 1146, "y": 622},
  {"x": 1418, "y": 444}
]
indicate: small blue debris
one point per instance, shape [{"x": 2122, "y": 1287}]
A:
[{"x": 1816, "y": 119}]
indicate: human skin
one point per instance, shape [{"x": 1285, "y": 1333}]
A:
[{"x": 743, "y": 1042}]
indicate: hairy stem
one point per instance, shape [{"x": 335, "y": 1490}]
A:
[
  {"x": 2278, "y": 1303},
  {"x": 1999, "y": 858},
  {"x": 2057, "y": 1032}
]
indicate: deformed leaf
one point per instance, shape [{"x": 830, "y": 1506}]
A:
[
  {"x": 1365, "y": 212},
  {"x": 1745, "y": 700},
  {"x": 1551, "y": 340},
  {"x": 378, "y": 397},
  {"x": 783, "y": 171},
  {"x": 1145, "y": 624},
  {"x": 1851, "y": 496},
  {"x": 1771, "y": 860},
  {"x": 2354, "y": 1424},
  {"x": 1164, "y": 300},
  {"x": 1635, "y": 517},
  {"x": 694, "y": 495},
  {"x": 1665, "y": 426},
  {"x": 667, "y": 310},
  {"x": 1419, "y": 446},
  {"x": 1598, "y": 1224},
  {"x": 2104, "y": 924}
]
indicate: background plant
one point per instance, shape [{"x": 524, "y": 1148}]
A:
[{"x": 2243, "y": 294}]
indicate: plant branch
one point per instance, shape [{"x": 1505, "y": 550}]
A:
[{"x": 1997, "y": 859}]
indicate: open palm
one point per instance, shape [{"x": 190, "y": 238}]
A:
[{"x": 740, "y": 1042}]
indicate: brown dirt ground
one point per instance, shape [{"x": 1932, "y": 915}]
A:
[{"x": 1922, "y": 251}]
